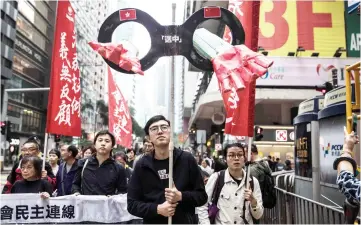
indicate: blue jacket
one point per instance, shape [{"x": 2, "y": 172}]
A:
[{"x": 65, "y": 180}]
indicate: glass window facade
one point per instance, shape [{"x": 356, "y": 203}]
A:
[
  {"x": 42, "y": 8},
  {"x": 28, "y": 120},
  {"x": 32, "y": 34},
  {"x": 25, "y": 67},
  {"x": 29, "y": 13},
  {"x": 34, "y": 99}
]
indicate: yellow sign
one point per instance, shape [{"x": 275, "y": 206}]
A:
[{"x": 316, "y": 26}]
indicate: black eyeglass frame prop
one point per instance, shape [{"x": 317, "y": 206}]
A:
[{"x": 171, "y": 40}]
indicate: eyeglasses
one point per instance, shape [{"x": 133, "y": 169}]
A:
[
  {"x": 29, "y": 149},
  {"x": 233, "y": 156},
  {"x": 163, "y": 128}
]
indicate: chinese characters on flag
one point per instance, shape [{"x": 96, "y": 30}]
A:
[
  {"x": 64, "y": 96},
  {"x": 240, "y": 104},
  {"x": 120, "y": 122}
]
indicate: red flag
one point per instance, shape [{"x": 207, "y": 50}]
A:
[
  {"x": 120, "y": 122},
  {"x": 127, "y": 14},
  {"x": 212, "y": 12},
  {"x": 64, "y": 97}
]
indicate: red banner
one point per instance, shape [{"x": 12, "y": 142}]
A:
[
  {"x": 120, "y": 122},
  {"x": 64, "y": 97},
  {"x": 240, "y": 104}
]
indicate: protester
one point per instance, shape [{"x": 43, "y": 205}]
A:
[
  {"x": 31, "y": 172},
  {"x": 148, "y": 194},
  {"x": 100, "y": 174},
  {"x": 206, "y": 167},
  {"x": 67, "y": 170},
  {"x": 122, "y": 158},
  {"x": 346, "y": 165},
  {"x": 54, "y": 160},
  {"x": 147, "y": 149},
  {"x": 233, "y": 193},
  {"x": 88, "y": 151},
  {"x": 131, "y": 157},
  {"x": 29, "y": 148}
]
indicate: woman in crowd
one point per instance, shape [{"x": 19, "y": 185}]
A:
[
  {"x": 54, "y": 160},
  {"x": 32, "y": 182},
  {"x": 205, "y": 167},
  {"x": 88, "y": 151}
]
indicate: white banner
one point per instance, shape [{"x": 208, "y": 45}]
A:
[
  {"x": 299, "y": 71},
  {"x": 30, "y": 208}
]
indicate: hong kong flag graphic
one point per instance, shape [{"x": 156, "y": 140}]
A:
[{"x": 128, "y": 14}]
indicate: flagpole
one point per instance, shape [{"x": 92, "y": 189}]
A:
[
  {"x": 171, "y": 115},
  {"x": 250, "y": 140},
  {"x": 45, "y": 149}
]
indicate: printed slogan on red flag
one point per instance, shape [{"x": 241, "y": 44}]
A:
[
  {"x": 64, "y": 97},
  {"x": 120, "y": 122}
]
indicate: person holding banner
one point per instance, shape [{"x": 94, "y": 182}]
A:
[
  {"x": 148, "y": 194},
  {"x": 32, "y": 182},
  {"x": 100, "y": 174},
  {"x": 30, "y": 148},
  {"x": 67, "y": 170}
]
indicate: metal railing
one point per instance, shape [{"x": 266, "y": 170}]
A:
[{"x": 295, "y": 209}]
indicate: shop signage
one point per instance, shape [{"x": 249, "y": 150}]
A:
[
  {"x": 303, "y": 151},
  {"x": 335, "y": 96},
  {"x": 277, "y": 134},
  {"x": 352, "y": 26},
  {"x": 317, "y": 26},
  {"x": 31, "y": 52},
  {"x": 306, "y": 72}
]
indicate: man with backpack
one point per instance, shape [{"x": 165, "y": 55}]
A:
[
  {"x": 261, "y": 170},
  {"x": 229, "y": 201}
]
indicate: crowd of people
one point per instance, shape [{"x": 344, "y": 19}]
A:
[{"x": 205, "y": 190}]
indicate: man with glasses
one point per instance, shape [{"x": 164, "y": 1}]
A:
[
  {"x": 148, "y": 194},
  {"x": 233, "y": 193},
  {"x": 30, "y": 148},
  {"x": 147, "y": 149}
]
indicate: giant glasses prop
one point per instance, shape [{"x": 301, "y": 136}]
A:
[{"x": 235, "y": 65}]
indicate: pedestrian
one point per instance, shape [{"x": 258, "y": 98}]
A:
[
  {"x": 206, "y": 167},
  {"x": 54, "y": 160},
  {"x": 67, "y": 170},
  {"x": 100, "y": 174},
  {"x": 279, "y": 165},
  {"x": 131, "y": 157},
  {"x": 31, "y": 172},
  {"x": 147, "y": 149},
  {"x": 29, "y": 148},
  {"x": 88, "y": 151},
  {"x": 122, "y": 159},
  {"x": 227, "y": 191},
  {"x": 148, "y": 194}
]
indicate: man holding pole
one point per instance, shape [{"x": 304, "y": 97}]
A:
[{"x": 149, "y": 195}]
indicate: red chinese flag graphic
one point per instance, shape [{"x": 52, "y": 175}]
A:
[
  {"x": 212, "y": 12},
  {"x": 64, "y": 103},
  {"x": 120, "y": 121},
  {"x": 127, "y": 14}
]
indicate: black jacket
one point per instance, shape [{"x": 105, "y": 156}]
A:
[
  {"x": 107, "y": 179},
  {"x": 145, "y": 191}
]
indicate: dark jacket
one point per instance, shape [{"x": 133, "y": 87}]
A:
[
  {"x": 107, "y": 179},
  {"x": 15, "y": 175},
  {"x": 65, "y": 178},
  {"x": 145, "y": 191}
]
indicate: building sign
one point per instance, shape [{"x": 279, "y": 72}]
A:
[
  {"x": 31, "y": 52},
  {"x": 306, "y": 106},
  {"x": 335, "y": 96},
  {"x": 303, "y": 151},
  {"x": 331, "y": 143},
  {"x": 277, "y": 134},
  {"x": 353, "y": 38},
  {"x": 317, "y": 26},
  {"x": 293, "y": 71}
]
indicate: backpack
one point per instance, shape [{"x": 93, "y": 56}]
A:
[{"x": 268, "y": 190}]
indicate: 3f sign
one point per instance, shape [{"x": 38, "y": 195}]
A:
[{"x": 307, "y": 21}]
